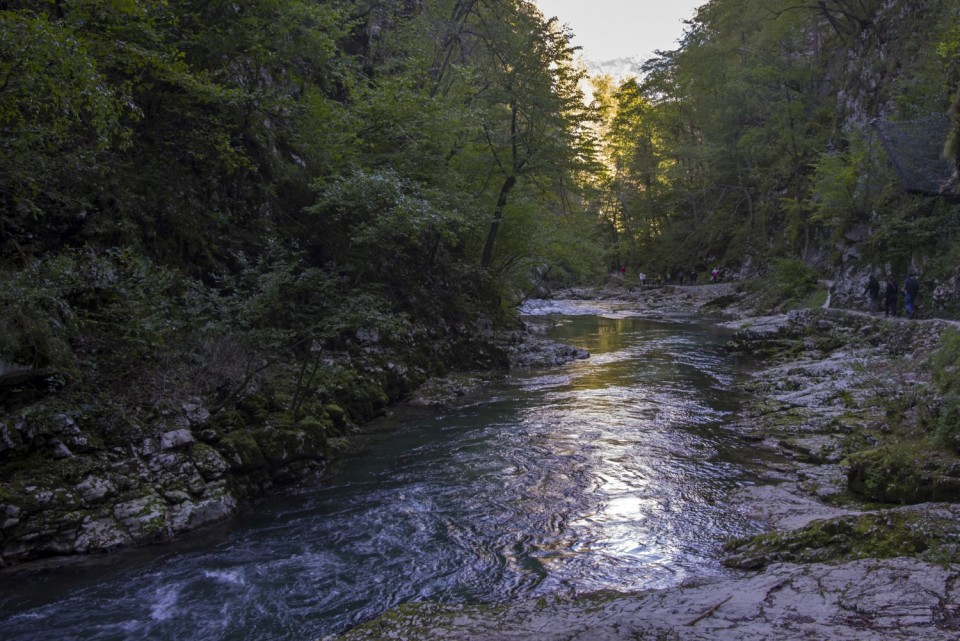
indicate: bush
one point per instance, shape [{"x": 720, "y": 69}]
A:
[
  {"x": 948, "y": 422},
  {"x": 946, "y": 361},
  {"x": 790, "y": 283}
]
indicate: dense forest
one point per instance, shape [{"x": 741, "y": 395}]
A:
[{"x": 246, "y": 226}]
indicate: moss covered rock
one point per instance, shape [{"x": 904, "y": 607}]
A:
[{"x": 926, "y": 532}]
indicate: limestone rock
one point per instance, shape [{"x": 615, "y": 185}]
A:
[
  {"x": 141, "y": 518},
  {"x": 189, "y": 515},
  {"x": 196, "y": 413},
  {"x": 175, "y": 439},
  {"x": 859, "y": 601},
  {"x": 101, "y": 535},
  {"x": 94, "y": 489}
]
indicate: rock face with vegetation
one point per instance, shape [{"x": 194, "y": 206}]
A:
[{"x": 231, "y": 232}]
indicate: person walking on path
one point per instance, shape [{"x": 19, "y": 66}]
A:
[
  {"x": 890, "y": 297},
  {"x": 872, "y": 291},
  {"x": 911, "y": 288}
]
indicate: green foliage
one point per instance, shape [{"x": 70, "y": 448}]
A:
[
  {"x": 45, "y": 307},
  {"x": 944, "y": 367},
  {"x": 387, "y": 230},
  {"x": 789, "y": 284},
  {"x": 34, "y": 317},
  {"x": 946, "y": 363},
  {"x": 840, "y": 193},
  {"x": 735, "y": 145},
  {"x": 58, "y": 116},
  {"x": 947, "y": 432}
]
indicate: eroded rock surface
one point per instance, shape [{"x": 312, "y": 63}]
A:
[
  {"x": 839, "y": 391},
  {"x": 859, "y": 601}
]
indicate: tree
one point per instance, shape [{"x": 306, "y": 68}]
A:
[{"x": 533, "y": 125}]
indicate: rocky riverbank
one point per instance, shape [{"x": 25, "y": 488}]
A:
[
  {"x": 863, "y": 539},
  {"x": 126, "y": 467}
]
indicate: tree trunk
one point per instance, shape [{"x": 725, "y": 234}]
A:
[{"x": 505, "y": 189}]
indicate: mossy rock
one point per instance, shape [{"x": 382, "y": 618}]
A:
[
  {"x": 337, "y": 415},
  {"x": 229, "y": 420},
  {"x": 283, "y": 446},
  {"x": 315, "y": 425},
  {"x": 925, "y": 532},
  {"x": 364, "y": 401},
  {"x": 242, "y": 451},
  {"x": 256, "y": 406}
]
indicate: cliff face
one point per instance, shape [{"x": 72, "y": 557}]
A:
[{"x": 892, "y": 92}]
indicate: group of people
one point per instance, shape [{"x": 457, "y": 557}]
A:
[
  {"x": 891, "y": 295},
  {"x": 678, "y": 276},
  {"x": 681, "y": 277}
]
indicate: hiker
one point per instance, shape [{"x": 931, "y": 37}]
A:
[
  {"x": 872, "y": 290},
  {"x": 911, "y": 287},
  {"x": 890, "y": 297},
  {"x": 643, "y": 279}
]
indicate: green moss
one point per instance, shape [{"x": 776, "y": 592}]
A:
[
  {"x": 315, "y": 425},
  {"x": 881, "y": 535},
  {"x": 242, "y": 451},
  {"x": 946, "y": 362},
  {"x": 255, "y": 406},
  {"x": 817, "y": 299},
  {"x": 336, "y": 414}
]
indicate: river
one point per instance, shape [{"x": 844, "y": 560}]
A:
[{"x": 607, "y": 473}]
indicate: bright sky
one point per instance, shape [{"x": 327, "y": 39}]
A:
[{"x": 609, "y": 29}]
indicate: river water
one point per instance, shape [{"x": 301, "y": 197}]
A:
[{"x": 608, "y": 473}]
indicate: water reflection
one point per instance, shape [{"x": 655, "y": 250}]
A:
[{"x": 605, "y": 474}]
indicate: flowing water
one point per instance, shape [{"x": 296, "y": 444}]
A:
[{"x": 607, "y": 473}]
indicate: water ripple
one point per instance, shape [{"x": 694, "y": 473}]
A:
[{"x": 609, "y": 474}]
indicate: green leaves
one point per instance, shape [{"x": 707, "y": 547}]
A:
[
  {"x": 383, "y": 228},
  {"x": 58, "y": 115}
]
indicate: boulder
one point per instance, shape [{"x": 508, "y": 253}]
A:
[{"x": 176, "y": 439}]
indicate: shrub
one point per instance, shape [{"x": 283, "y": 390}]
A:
[
  {"x": 948, "y": 422},
  {"x": 790, "y": 283},
  {"x": 946, "y": 361}
]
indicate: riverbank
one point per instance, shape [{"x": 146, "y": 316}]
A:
[
  {"x": 140, "y": 460},
  {"x": 862, "y": 539}
]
